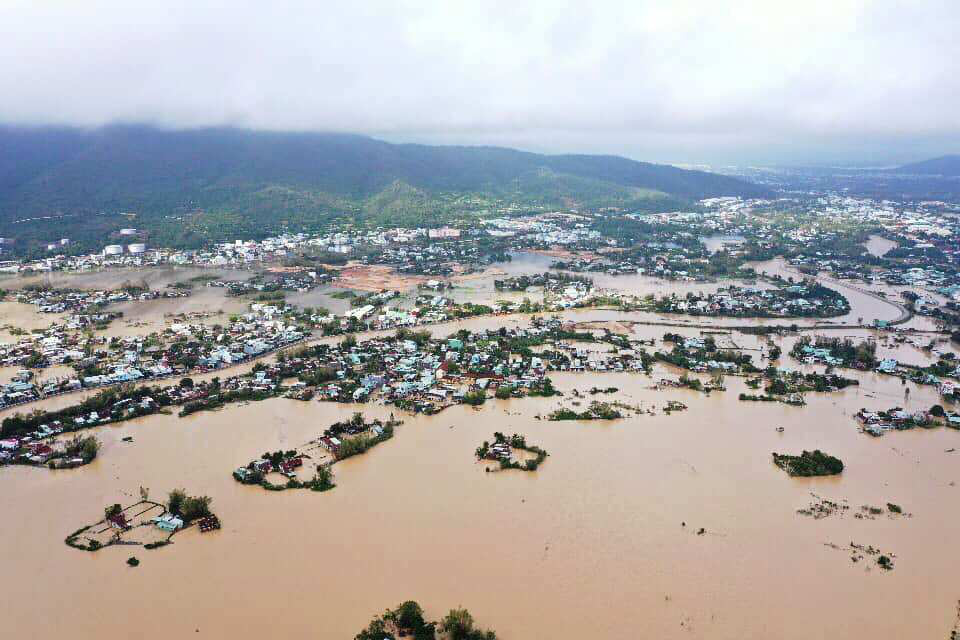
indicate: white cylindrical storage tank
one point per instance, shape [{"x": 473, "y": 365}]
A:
[
  {"x": 128, "y": 232},
  {"x": 136, "y": 247},
  {"x": 113, "y": 250}
]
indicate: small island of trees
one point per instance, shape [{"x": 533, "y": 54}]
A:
[
  {"x": 809, "y": 463},
  {"x": 407, "y": 620},
  {"x": 503, "y": 448}
]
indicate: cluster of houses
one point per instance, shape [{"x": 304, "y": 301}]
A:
[
  {"x": 876, "y": 423},
  {"x": 298, "y": 281},
  {"x": 31, "y": 448},
  {"x": 433, "y": 374},
  {"x": 40, "y": 448},
  {"x": 50, "y": 300},
  {"x": 255, "y": 471},
  {"x": 812, "y": 355},
  {"x": 791, "y": 301},
  {"x": 179, "y": 349}
]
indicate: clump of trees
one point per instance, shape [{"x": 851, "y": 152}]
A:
[
  {"x": 323, "y": 480},
  {"x": 408, "y": 620},
  {"x": 187, "y": 507},
  {"x": 809, "y": 463},
  {"x": 459, "y": 625},
  {"x": 596, "y": 411},
  {"x": 83, "y": 447},
  {"x": 475, "y": 397},
  {"x": 516, "y": 441},
  {"x": 361, "y": 443}
]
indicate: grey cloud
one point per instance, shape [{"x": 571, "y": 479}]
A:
[{"x": 683, "y": 81}]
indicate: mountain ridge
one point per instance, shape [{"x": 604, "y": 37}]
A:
[
  {"x": 217, "y": 183},
  {"x": 946, "y": 165}
]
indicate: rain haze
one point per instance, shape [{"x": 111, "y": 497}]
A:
[{"x": 710, "y": 82}]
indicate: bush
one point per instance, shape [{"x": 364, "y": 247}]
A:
[
  {"x": 175, "y": 501},
  {"x": 323, "y": 481},
  {"x": 809, "y": 463},
  {"x": 133, "y": 562},
  {"x": 195, "y": 507},
  {"x": 474, "y": 398},
  {"x": 188, "y": 507}
]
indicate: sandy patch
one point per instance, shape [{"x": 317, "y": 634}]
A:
[
  {"x": 375, "y": 278},
  {"x": 557, "y": 252}
]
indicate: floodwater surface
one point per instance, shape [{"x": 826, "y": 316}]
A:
[
  {"x": 600, "y": 542},
  {"x": 593, "y": 544}
]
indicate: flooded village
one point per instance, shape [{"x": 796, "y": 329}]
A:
[{"x": 659, "y": 373}]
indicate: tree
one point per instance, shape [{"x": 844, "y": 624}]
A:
[
  {"x": 112, "y": 511},
  {"x": 458, "y": 624},
  {"x": 186, "y": 383},
  {"x": 89, "y": 448},
  {"x": 175, "y": 501},
  {"x": 410, "y": 615},
  {"x": 195, "y": 507},
  {"x": 323, "y": 480}
]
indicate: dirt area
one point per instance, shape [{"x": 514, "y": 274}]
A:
[
  {"x": 281, "y": 269},
  {"x": 557, "y": 252},
  {"x": 375, "y": 278},
  {"x": 478, "y": 275},
  {"x": 614, "y": 326}
]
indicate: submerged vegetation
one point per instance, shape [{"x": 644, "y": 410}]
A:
[
  {"x": 502, "y": 451},
  {"x": 596, "y": 411},
  {"x": 809, "y": 463},
  {"x": 407, "y": 620}
]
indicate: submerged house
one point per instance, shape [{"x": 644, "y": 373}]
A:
[{"x": 168, "y": 522}]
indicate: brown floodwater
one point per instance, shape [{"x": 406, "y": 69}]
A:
[
  {"x": 591, "y": 545},
  {"x": 879, "y": 246}
]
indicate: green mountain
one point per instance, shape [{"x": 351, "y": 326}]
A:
[{"x": 220, "y": 182}]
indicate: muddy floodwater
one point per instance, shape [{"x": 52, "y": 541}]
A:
[
  {"x": 602, "y": 541},
  {"x": 879, "y": 246},
  {"x": 590, "y": 546}
]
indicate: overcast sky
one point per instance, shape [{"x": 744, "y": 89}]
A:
[{"x": 713, "y": 81}]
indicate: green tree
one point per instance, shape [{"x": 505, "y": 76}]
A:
[
  {"x": 195, "y": 507},
  {"x": 175, "y": 501}
]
